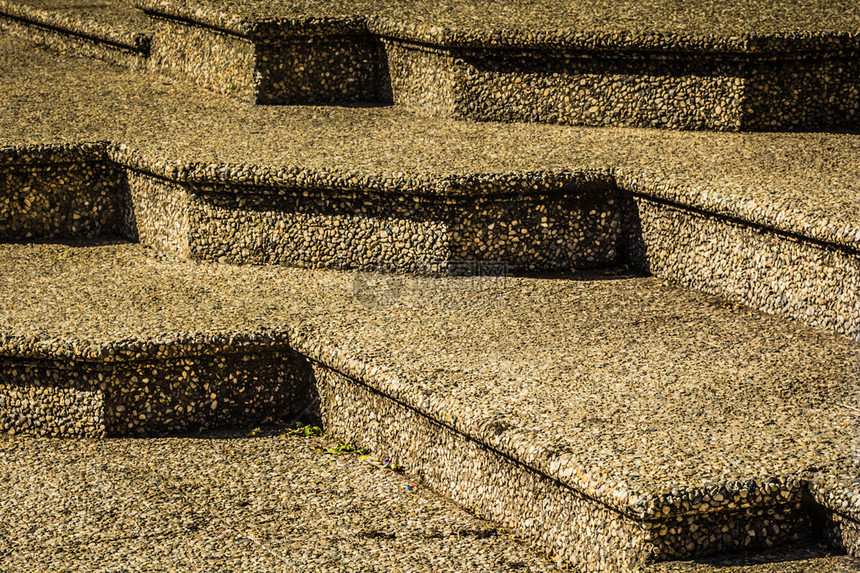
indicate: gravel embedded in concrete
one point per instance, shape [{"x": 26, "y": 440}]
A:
[
  {"x": 231, "y": 501},
  {"x": 594, "y": 379},
  {"x": 811, "y": 558},
  {"x": 733, "y": 25},
  {"x": 803, "y": 183},
  {"x": 114, "y": 21}
]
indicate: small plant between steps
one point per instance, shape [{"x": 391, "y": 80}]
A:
[
  {"x": 346, "y": 449},
  {"x": 305, "y": 431}
]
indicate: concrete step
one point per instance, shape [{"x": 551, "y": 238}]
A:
[
  {"x": 111, "y": 30},
  {"x": 241, "y": 501},
  {"x": 766, "y": 220},
  {"x": 837, "y": 490},
  {"x": 804, "y": 558},
  {"x": 728, "y": 66},
  {"x": 609, "y": 419}
]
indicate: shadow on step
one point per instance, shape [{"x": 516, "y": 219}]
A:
[
  {"x": 50, "y": 197},
  {"x": 181, "y": 387}
]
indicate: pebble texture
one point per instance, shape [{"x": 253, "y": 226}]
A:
[
  {"x": 810, "y": 282},
  {"x": 111, "y": 30},
  {"x": 722, "y": 65},
  {"x": 302, "y": 69},
  {"x": 244, "y": 383},
  {"x": 811, "y": 558},
  {"x": 213, "y": 59},
  {"x": 749, "y": 69},
  {"x": 395, "y": 233},
  {"x": 710, "y": 25},
  {"x": 619, "y": 89},
  {"x": 231, "y": 501},
  {"x": 50, "y": 195},
  {"x": 801, "y": 185},
  {"x": 838, "y": 490},
  {"x": 780, "y": 440},
  {"x": 656, "y": 405},
  {"x": 561, "y": 521}
]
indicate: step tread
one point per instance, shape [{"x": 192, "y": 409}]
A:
[
  {"x": 721, "y": 25},
  {"x": 114, "y": 21},
  {"x": 230, "y": 500},
  {"x": 800, "y": 183},
  {"x": 646, "y": 397}
]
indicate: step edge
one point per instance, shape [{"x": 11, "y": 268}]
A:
[
  {"x": 512, "y": 38},
  {"x": 644, "y": 507},
  {"x": 160, "y": 346},
  {"x": 817, "y": 230},
  {"x": 83, "y": 28}
]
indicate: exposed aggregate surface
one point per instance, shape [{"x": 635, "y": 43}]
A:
[
  {"x": 793, "y": 559},
  {"x": 114, "y": 21},
  {"x": 324, "y": 186},
  {"x": 822, "y": 437},
  {"x": 496, "y": 61},
  {"x": 802, "y": 183},
  {"x": 655, "y": 24},
  {"x": 230, "y": 501},
  {"x": 612, "y": 384}
]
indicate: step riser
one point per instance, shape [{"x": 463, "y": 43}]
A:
[
  {"x": 787, "y": 276},
  {"x": 151, "y": 397},
  {"x": 376, "y": 231},
  {"x": 218, "y": 61},
  {"x": 61, "y": 200},
  {"x": 627, "y": 89},
  {"x": 843, "y": 533},
  {"x": 556, "y": 518},
  {"x": 573, "y": 90},
  {"x": 160, "y": 214},
  {"x": 815, "y": 283},
  {"x": 303, "y": 70}
]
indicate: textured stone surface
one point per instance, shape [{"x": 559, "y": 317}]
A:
[
  {"x": 805, "y": 280},
  {"x": 213, "y": 59},
  {"x": 244, "y": 501},
  {"x": 717, "y": 25},
  {"x": 609, "y": 425},
  {"x": 111, "y": 30},
  {"x": 307, "y": 69},
  {"x": 49, "y": 198},
  {"x": 604, "y": 386},
  {"x": 803, "y": 186},
  {"x": 837, "y": 489},
  {"x": 242, "y": 384},
  {"x": 812, "y": 558},
  {"x": 799, "y": 183},
  {"x": 746, "y": 68},
  {"x": 561, "y": 521},
  {"x": 730, "y": 93},
  {"x": 376, "y": 231}
]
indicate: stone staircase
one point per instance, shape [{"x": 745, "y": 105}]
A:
[{"x": 631, "y": 347}]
